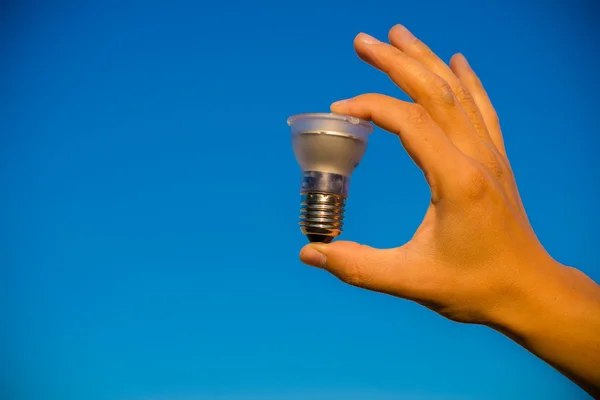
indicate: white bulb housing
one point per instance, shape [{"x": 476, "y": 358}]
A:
[{"x": 328, "y": 148}]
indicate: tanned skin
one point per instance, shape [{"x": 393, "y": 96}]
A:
[{"x": 475, "y": 257}]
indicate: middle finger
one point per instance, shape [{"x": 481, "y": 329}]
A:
[
  {"x": 404, "y": 40},
  {"x": 425, "y": 88}
]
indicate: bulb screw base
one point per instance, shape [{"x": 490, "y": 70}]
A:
[
  {"x": 321, "y": 216},
  {"x": 323, "y": 197}
]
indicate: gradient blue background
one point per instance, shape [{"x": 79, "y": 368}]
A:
[{"x": 149, "y": 198}]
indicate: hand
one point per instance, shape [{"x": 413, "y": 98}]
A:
[
  {"x": 475, "y": 248},
  {"x": 475, "y": 257}
]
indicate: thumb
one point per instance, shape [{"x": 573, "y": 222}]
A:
[{"x": 359, "y": 265}]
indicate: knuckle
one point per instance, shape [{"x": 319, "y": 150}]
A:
[
  {"x": 464, "y": 95},
  {"x": 353, "y": 275},
  {"x": 417, "y": 115},
  {"x": 496, "y": 169},
  {"x": 442, "y": 89},
  {"x": 495, "y": 164},
  {"x": 474, "y": 184},
  {"x": 423, "y": 51}
]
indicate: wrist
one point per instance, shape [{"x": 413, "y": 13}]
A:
[
  {"x": 556, "y": 316},
  {"x": 534, "y": 300}
]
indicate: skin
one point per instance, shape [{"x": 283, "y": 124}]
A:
[{"x": 475, "y": 258}]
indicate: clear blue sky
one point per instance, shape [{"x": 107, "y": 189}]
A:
[{"x": 149, "y": 197}]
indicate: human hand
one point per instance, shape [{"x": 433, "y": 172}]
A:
[{"x": 475, "y": 251}]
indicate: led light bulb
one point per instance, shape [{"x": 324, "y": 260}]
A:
[{"x": 328, "y": 148}]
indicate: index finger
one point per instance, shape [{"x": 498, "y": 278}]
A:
[{"x": 424, "y": 141}]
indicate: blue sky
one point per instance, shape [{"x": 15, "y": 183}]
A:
[{"x": 149, "y": 203}]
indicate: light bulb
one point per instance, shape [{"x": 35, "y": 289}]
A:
[{"x": 328, "y": 148}]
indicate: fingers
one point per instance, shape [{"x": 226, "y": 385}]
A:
[
  {"x": 422, "y": 138},
  {"x": 425, "y": 88},
  {"x": 463, "y": 71},
  {"x": 404, "y": 40},
  {"x": 362, "y": 266}
]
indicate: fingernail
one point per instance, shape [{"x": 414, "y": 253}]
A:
[
  {"x": 312, "y": 256},
  {"x": 340, "y": 102},
  {"x": 367, "y": 39},
  {"x": 404, "y": 33}
]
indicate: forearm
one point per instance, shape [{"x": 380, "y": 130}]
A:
[{"x": 556, "y": 316}]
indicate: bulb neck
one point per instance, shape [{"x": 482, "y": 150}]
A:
[
  {"x": 325, "y": 182},
  {"x": 323, "y": 197}
]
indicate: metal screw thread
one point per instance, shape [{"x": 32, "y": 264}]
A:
[{"x": 321, "y": 215}]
